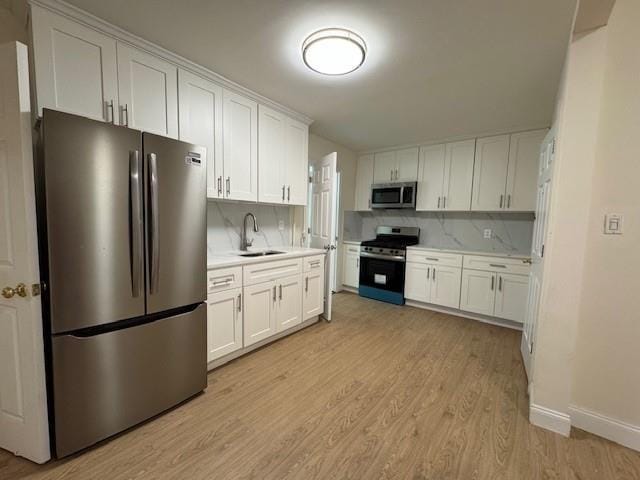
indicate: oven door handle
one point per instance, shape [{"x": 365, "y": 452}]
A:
[{"x": 391, "y": 258}]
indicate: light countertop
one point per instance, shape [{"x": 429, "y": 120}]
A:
[
  {"x": 352, "y": 242},
  {"x": 516, "y": 255},
  {"x": 233, "y": 259}
]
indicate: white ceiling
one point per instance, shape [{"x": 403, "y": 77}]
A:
[{"x": 436, "y": 68}]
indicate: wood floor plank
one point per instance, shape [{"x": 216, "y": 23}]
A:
[{"x": 382, "y": 392}]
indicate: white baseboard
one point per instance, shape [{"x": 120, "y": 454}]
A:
[
  {"x": 550, "y": 419},
  {"x": 607, "y": 427}
]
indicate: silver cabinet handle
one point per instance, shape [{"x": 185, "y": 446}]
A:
[
  {"x": 137, "y": 224},
  {"x": 444, "y": 202},
  {"x": 226, "y": 281},
  {"x": 497, "y": 265},
  {"x": 358, "y": 262},
  {"x": 391, "y": 174},
  {"x": 306, "y": 284},
  {"x": 500, "y": 283},
  {"x": 125, "y": 115},
  {"x": 501, "y": 200},
  {"x": 283, "y": 193},
  {"x": 433, "y": 274},
  {"x": 274, "y": 294},
  {"x": 280, "y": 292},
  {"x": 110, "y": 107},
  {"x": 509, "y": 201},
  {"x": 493, "y": 282},
  {"x": 239, "y": 302},
  {"x": 289, "y": 193},
  {"x": 438, "y": 202},
  {"x": 432, "y": 259},
  {"x": 228, "y": 186},
  {"x": 154, "y": 237},
  {"x": 220, "y": 186},
  {"x": 428, "y": 272}
]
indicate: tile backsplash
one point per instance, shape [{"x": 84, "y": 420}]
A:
[
  {"x": 510, "y": 232},
  {"x": 224, "y": 224}
]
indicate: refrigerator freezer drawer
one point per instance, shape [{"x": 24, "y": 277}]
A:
[{"x": 106, "y": 383}]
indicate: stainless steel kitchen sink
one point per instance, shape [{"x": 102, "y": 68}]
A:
[{"x": 261, "y": 254}]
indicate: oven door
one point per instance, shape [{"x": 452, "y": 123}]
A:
[{"x": 382, "y": 274}]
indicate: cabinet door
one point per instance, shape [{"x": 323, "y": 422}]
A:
[
  {"x": 511, "y": 297},
  {"x": 240, "y": 126},
  {"x": 430, "y": 177},
  {"x": 271, "y": 155},
  {"x": 351, "y": 270},
  {"x": 417, "y": 282},
  {"x": 445, "y": 288},
  {"x": 522, "y": 172},
  {"x": 224, "y": 323},
  {"x": 297, "y": 162},
  {"x": 148, "y": 89},
  {"x": 289, "y": 311},
  {"x": 364, "y": 179},
  {"x": 478, "y": 291},
  {"x": 200, "y": 103},
  {"x": 384, "y": 170},
  {"x": 490, "y": 173},
  {"x": 458, "y": 175},
  {"x": 313, "y": 296},
  {"x": 259, "y": 312},
  {"x": 75, "y": 67},
  {"x": 407, "y": 165}
]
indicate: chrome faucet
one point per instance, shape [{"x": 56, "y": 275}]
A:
[{"x": 244, "y": 243}]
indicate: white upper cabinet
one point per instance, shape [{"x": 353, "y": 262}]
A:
[
  {"x": 490, "y": 173},
  {"x": 458, "y": 175},
  {"x": 445, "y": 176},
  {"x": 282, "y": 158},
  {"x": 200, "y": 107},
  {"x": 524, "y": 157},
  {"x": 364, "y": 179},
  {"x": 240, "y": 127},
  {"x": 296, "y": 172},
  {"x": 407, "y": 165},
  {"x": 396, "y": 166},
  {"x": 75, "y": 67},
  {"x": 431, "y": 177},
  {"x": 148, "y": 90},
  {"x": 271, "y": 154}
]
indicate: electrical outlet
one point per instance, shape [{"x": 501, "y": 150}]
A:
[
  {"x": 613, "y": 223},
  {"x": 281, "y": 225},
  {"x": 487, "y": 233}
]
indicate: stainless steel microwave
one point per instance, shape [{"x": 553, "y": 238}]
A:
[{"x": 394, "y": 195}]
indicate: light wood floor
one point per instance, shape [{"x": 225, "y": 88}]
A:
[{"x": 381, "y": 392}]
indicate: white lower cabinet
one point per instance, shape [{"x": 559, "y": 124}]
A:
[
  {"x": 289, "y": 305},
  {"x": 435, "y": 284},
  {"x": 478, "y": 292},
  {"x": 511, "y": 297},
  {"x": 224, "y": 323},
  {"x": 313, "y": 293},
  {"x": 351, "y": 266},
  {"x": 259, "y": 312}
]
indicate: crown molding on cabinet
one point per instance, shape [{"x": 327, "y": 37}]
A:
[
  {"x": 78, "y": 15},
  {"x": 457, "y": 138}
]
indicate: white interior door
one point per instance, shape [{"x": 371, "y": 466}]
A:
[
  {"x": 324, "y": 219},
  {"x": 23, "y": 408},
  {"x": 543, "y": 197}
]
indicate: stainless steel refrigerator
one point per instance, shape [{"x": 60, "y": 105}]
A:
[{"x": 122, "y": 230}]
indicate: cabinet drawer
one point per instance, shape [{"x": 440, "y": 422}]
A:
[
  {"x": 264, "y": 272},
  {"x": 516, "y": 266},
  {"x": 313, "y": 263},
  {"x": 434, "y": 257},
  {"x": 350, "y": 248},
  {"x": 224, "y": 279}
]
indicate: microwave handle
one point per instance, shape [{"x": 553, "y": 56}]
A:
[{"x": 402, "y": 195}]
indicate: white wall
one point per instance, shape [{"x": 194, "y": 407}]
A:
[
  {"x": 587, "y": 349},
  {"x": 13, "y": 21},
  {"x": 607, "y": 359},
  {"x": 346, "y": 165}
]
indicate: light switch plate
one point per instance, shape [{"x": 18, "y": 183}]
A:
[
  {"x": 487, "y": 233},
  {"x": 613, "y": 223}
]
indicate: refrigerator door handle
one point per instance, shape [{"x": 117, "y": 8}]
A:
[
  {"x": 153, "y": 230},
  {"x": 137, "y": 233}
]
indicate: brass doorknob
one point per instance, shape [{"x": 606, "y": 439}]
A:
[{"x": 20, "y": 290}]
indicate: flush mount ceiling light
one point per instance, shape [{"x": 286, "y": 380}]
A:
[{"x": 334, "y": 51}]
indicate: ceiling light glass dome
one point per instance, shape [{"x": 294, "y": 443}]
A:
[{"x": 334, "y": 51}]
